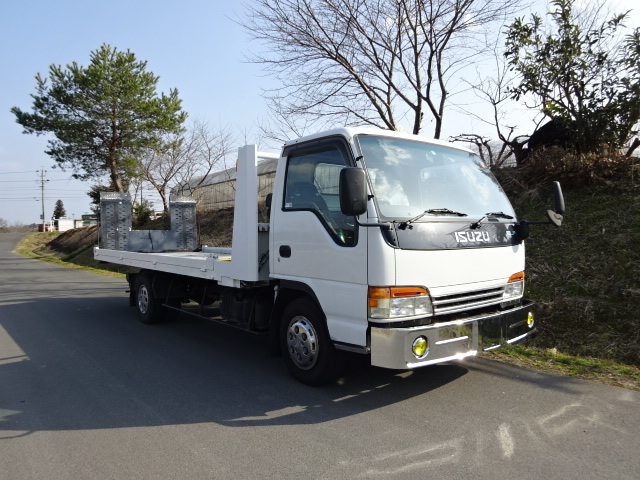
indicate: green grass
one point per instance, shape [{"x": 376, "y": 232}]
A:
[
  {"x": 35, "y": 246},
  {"x": 551, "y": 360},
  {"x": 585, "y": 276}
]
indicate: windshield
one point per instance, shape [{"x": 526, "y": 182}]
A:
[{"x": 409, "y": 177}]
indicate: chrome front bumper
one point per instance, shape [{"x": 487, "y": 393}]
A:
[{"x": 454, "y": 340}]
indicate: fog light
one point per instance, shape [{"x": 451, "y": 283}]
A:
[
  {"x": 420, "y": 347},
  {"x": 530, "y": 320}
]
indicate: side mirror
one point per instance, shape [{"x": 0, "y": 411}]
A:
[
  {"x": 559, "y": 198},
  {"x": 521, "y": 229},
  {"x": 353, "y": 191},
  {"x": 556, "y": 217}
]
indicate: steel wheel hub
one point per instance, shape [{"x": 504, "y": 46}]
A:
[
  {"x": 302, "y": 343},
  {"x": 143, "y": 299}
]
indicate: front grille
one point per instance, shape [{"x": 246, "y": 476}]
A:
[{"x": 460, "y": 302}]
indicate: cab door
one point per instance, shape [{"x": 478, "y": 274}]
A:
[{"x": 314, "y": 244}]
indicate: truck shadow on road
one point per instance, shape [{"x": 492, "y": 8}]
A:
[{"x": 87, "y": 363}]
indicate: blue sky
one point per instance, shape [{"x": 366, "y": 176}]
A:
[{"x": 193, "y": 45}]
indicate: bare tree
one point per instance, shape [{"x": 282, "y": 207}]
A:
[
  {"x": 492, "y": 153},
  {"x": 278, "y": 128},
  {"x": 185, "y": 159},
  {"x": 494, "y": 91},
  {"x": 384, "y": 63}
]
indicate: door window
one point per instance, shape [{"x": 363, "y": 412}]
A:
[{"x": 312, "y": 184}]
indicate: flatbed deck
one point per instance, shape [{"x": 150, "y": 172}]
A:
[{"x": 206, "y": 265}]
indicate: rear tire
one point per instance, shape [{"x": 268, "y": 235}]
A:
[
  {"x": 307, "y": 348},
  {"x": 149, "y": 307}
]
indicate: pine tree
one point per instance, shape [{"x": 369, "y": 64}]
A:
[
  {"x": 101, "y": 116},
  {"x": 59, "y": 211}
]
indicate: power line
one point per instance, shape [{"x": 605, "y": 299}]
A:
[
  {"x": 16, "y": 181},
  {"x": 29, "y": 181},
  {"x": 36, "y": 188},
  {"x": 46, "y": 198}
]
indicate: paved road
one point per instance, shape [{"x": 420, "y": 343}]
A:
[{"x": 87, "y": 392}]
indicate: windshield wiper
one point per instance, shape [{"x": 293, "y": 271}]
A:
[
  {"x": 475, "y": 225},
  {"x": 431, "y": 211}
]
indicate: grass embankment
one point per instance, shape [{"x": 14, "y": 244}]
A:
[
  {"x": 73, "y": 248},
  {"x": 585, "y": 278}
]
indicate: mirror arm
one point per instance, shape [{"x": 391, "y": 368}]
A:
[
  {"x": 554, "y": 219},
  {"x": 382, "y": 225},
  {"x": 527, "y": 222}
]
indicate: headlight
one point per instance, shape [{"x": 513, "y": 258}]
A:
[
  {"x": 399, "y": 302},
  {"x": 515, "y": 287}
]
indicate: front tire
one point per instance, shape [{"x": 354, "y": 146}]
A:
[{"x": 308, "y": 351}]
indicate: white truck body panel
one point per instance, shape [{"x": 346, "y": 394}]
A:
[
  {"x": 244, "y": 250},
  {"x": 337, "y": 275},
  {"x": 439, "y": 270}
]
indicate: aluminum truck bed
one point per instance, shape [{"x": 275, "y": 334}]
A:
[{"x": 210, "y": 266}]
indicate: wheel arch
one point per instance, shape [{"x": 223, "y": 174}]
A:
[
  {"x": 164, "y": 285},
  {"x": 287, "y": 292}
]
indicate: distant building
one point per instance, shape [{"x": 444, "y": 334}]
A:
[
  {"x": 218, "y": 190},
  {"x": 63, "y": 224},
  {"x": 89, "y": 219}
]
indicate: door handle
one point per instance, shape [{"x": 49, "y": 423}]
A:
[{"x": 285, "y": 251}]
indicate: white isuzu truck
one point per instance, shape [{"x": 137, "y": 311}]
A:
[{"x": 378, "y": 242}]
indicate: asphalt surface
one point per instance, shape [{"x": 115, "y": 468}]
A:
[{"x": 88, "y": 392}]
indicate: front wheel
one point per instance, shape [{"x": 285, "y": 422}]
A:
[{"x": 308, "y": 351}]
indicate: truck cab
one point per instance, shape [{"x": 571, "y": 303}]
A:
[{"x": 427, "y": 268}]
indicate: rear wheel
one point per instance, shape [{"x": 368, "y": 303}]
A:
[
  {"x": 149, "y": 307},
  {"x": 308, "y": 350}
]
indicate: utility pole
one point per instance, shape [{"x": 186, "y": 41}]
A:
[{"x": 42, "y": 181}]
